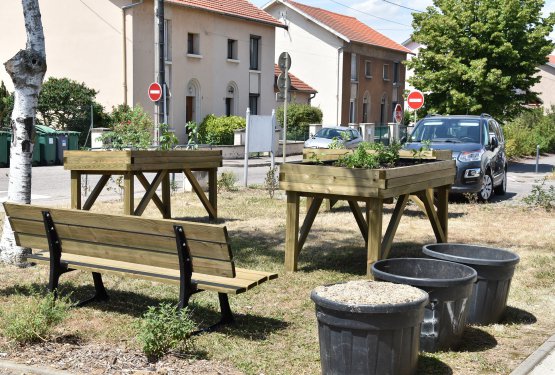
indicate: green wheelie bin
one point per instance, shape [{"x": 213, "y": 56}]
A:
[{"x": 48, "y": 144}]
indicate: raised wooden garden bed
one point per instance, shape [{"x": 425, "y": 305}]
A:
[
  {"x": 372, "y": 186},
  {"x": 134, "y": 163}
]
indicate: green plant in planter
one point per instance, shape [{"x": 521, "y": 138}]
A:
[{"x": 371, "y": 155}]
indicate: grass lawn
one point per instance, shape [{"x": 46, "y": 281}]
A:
[{"x": 275, "y": 330}]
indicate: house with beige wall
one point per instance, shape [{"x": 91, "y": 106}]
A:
[
  {"x": 219, "y": 55},
  {"x": 546, "y": 86},
  {"x": 357, "y": 71}
]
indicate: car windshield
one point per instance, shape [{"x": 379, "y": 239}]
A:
[
  {"x": 449, "y": 131},
  {"x": 329, "y": 133}
]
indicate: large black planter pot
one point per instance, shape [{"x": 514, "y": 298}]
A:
[
  {"x": 495, "y": 268},
  {"x": 449, "y": 286},
  {"x": 368, "y": 339}
]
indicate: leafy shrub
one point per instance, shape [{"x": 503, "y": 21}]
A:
[
  {"x": 130, "y": 127},
  {"x": 541, "y": 196},
  {"x": 299, "y": 116},
  {"x": 167, "y": 138},
  {"x": 219, "y": 130},
  {"x": 32, "y": 319},
  {"x": 162, "y": 329},
  {"x": 271, "y": 182},
  {"x": 528, "y": 130},
  {"x": 226, "y": 181}
]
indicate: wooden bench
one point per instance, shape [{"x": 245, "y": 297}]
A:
[{"x": 194, "y": 256}]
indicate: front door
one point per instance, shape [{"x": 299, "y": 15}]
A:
[{"x": 189, "y": 108}]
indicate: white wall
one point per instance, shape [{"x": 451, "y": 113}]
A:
[{"x": 314, "y": 58}]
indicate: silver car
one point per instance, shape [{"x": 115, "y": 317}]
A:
[{"x": 346, "y": 137}]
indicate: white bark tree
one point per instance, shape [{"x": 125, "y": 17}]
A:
[{"x": 26, "y": 69}]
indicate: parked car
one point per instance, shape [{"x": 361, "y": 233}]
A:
[
  {"x": 347, "y": 137},
  {"x": 478, "y": 147}
]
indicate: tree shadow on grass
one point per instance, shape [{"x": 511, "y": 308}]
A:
[
  {"x": 514, "y": 315},
  {"x": 136, "y": 304},
  {"x": 432, "y": 366}
]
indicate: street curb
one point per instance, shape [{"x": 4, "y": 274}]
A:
[
  {"x": 536, "y": 358},
  {"x": 24, "y": 369}
]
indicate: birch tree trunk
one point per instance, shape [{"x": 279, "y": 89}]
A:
[{"x": 26, "y": 69}]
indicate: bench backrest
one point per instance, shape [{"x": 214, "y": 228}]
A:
[{"x": 124, "y": 238}]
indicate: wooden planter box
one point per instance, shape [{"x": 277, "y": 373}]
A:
[
  {"x": 141, "y": 160},
  {"x": 132, "y": 164},
  {"x": 365, "y": 183},
  {"x": 372, "y": 186},
  {"x": 323, "y": 154}
]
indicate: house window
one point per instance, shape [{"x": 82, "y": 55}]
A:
[
  {"x": 254, "y": 53},
  {"x": 167, "y": 40},
  {"x": 354, "y": 66},
  {"x": 229, "y": 100},
  {"x": 253, "y": 103},
  {"x": 395, "y": 72},
  {"x": 232, "y": 49},
  {"x": 385, "y": 72},
  {"x": 368, "y": 69},
  {"x": 193, "y": 44},
  {"x": 352, "y": 111}
]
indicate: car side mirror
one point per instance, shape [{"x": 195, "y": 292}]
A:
[{"x": 494, "y": 142}]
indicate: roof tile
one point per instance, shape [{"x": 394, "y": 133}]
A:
[
  {"x": 296, "y": 83},
  {"x": 350, "y": 27},
  {"x": 234, "y": 8}
]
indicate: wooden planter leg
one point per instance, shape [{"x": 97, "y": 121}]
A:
[
  {"x": 292, "y": 232},
  {"x": 443, "y": 209},
  {"x": 393, "y": 225},
  {"x": 374, "y": 212}
]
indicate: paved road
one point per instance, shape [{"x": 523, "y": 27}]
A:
[{"x": 51, "y": 185}]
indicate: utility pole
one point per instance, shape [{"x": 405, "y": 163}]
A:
[{"x": 160, "y": 64}]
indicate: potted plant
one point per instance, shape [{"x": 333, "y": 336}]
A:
[{"x": 369, "y": 327}]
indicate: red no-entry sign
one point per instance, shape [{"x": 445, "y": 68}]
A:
[
  {"x": 155, "y": 91},
  {"x": 415, "y": 100}
]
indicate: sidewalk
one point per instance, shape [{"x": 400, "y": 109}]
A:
[{"x": 541, "y": 362}]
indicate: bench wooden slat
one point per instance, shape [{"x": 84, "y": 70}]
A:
[
  {"x": 218, "y": 251},
  {"x": 195, "y": 231},
  {"x": 242, "y": 282}
]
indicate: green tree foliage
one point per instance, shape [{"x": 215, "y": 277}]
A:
[
  {"x": 130, "y": 127},
  {"x": 6, "y": 105},
  {"x": 299, "y": 116},
  {"x": 219, "y": 130},
  {"x": 65, "y": 104},
  {"x": 480, "y": 56}
]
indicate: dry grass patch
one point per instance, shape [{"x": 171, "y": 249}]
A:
[{"x": 276, "y": 329}]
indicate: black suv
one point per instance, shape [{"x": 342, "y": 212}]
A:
[{"x": 478, "y": 147}]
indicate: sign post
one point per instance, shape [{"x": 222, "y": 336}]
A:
[{"x": 284, "y": 63}]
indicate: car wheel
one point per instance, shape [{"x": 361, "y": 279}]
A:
[
  {"x": 487, "y": 188},
  {"x": 502, "y": 188}
]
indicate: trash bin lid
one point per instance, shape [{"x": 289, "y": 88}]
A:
[{"x": 42, "y": 129}]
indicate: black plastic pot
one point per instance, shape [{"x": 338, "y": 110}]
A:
[
  {"x": 449, "y": 286},
  {"x": 368, "y": 339},
  {"x": 495, "y": 268}
]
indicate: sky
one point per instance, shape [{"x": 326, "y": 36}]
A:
[{"x": 392, "y": 18}]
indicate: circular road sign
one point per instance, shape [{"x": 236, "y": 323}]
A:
[
  {"x": 398, "y": 114},
  {"x": 155, "y": 91},
  {"x": 284, "y": 58},
  {"x": 415, "y": 100}
]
